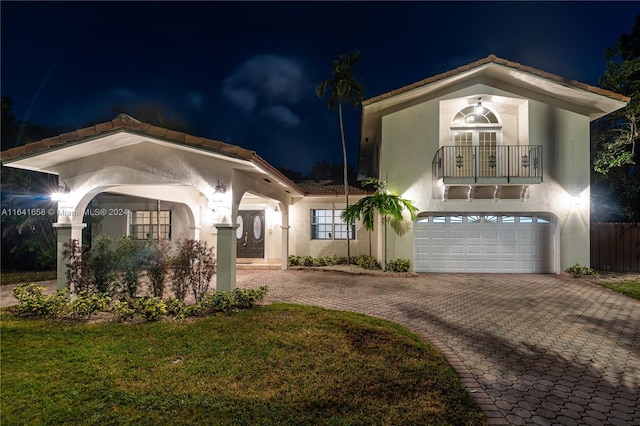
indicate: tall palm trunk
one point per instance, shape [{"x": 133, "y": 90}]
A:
[{"x": 346, "y": 183}]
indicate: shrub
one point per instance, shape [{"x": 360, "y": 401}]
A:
[
  {"x": 103, "y": 263},
  {"x": 399, "y": 265},
  {"x": 123, "y": 311},
  {"x": 87, "y": 304},
  {"x": 294, "y": 260},
  {"x": 133, "y": 255},
  {"x": 158, "y": 266},
  {"x": 247, "y": 298},
  {"x": 219, "y": 301},
  {"x": 151, "y": 308},
  {"x": 367, "y": 262},
  {"x": 318, "y": 261},
  {"x": 193, "y": 266},
  {"x": 32, "y": 302},
  {"x": 578, "y": 269},
  {"x": 180, "y": 310}
]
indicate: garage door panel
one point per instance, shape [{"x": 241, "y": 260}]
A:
[
  {"x": 463, "y": 245},
  {"x": 456, "y": 233},
  {"x": 491, "y": 249},
  {"x": 491, "y": 234},
  {"x": 508, "y": 233},
  {"x": 439, "y": 234},
  {"x": 456, "y": 249},
  {"x": 508, "y": 249},
  {"x": 475, "y": 264},
  {"x": 509, "y": 265},
  {"x": 473, "y": 249},
  {"x": 474, "y": 233},
  {"x": 439, "y": 249}
]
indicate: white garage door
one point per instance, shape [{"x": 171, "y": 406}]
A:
[{"x": 484, "y": 243}]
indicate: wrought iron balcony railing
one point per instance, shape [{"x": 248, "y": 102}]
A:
[{"x": 497, "y": 164}]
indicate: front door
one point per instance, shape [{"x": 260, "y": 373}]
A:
[{"x": 250, "y": 233}]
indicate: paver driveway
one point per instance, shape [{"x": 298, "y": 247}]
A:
[{"x": 538, "y": 349}]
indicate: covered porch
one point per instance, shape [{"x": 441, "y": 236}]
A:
[{"x": 128, "y": 172}]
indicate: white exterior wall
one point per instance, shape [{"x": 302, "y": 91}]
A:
[
  {"x": 300, "y": 242},
  {"x": 116, "y": 224},
  {"x": 411, "y": 137}
]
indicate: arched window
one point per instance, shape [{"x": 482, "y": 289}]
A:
[
  {"x": 475, "y": 133},
  {"x": 475, "y": 114}
]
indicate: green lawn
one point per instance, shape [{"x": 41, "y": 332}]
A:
[
  {"x": 273, "y": 365},
  {"x": 629, "y": 288},
  {"x": 7, "y": 278}
]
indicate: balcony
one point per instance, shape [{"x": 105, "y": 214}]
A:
[{"x": 488, "y": 165}]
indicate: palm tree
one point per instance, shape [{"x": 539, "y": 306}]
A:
[
  {"x": 389, "y": 206},
  {"x": 343, "y": 87}
]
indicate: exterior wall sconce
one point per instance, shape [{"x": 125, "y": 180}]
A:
[
  {"x": 275, "y": 209},
  {"x": 478, "y": 108},
  {"x": 459, "y": 161},
  {"x": 62, "y": 194},
  {"x": 220, "y": 188}
]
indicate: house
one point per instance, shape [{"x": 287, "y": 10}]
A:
[
  {"x": 494, "y": 154},
  {"x": 132, "y": 178}
]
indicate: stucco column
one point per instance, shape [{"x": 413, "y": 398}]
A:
[
  {"x": 226, "y": 256},
  {"x": 66, "y": 232},
  {"x": 284, "y": 263}
]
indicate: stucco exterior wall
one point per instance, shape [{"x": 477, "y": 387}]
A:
[
  {"x": 116, "y": 222},
  {"x": 411, "y": 137},
  {"x": 300, "y": 242}
]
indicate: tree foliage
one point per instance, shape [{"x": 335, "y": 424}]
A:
[
  {"x": 389, "y": 206},
  {"x": 343, "y": 87},
  {"x": 615, "y": 137}
]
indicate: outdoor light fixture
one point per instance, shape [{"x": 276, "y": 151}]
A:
[
  {"x": 492, "y": 161},
  {"x": 220, "y": 188},
  {"x": 275, "y": 209},
  {"x": 478, "y": 108},
  {"x": 62, "y": 194}
]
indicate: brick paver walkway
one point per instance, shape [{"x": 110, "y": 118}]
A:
[{"x": 537, "y": 349}]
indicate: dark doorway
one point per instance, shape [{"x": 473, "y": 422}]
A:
[{"x": 250, "y": 233}]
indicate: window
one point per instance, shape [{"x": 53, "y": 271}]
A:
[
  {"x": 475, "y": 133},
  {"x": 144, "y": 224},
  {"x": 328, "y": 225},
  {"x": 491, "y": 219}
]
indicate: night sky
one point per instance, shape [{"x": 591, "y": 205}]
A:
[{"x": 244, "y": 72}]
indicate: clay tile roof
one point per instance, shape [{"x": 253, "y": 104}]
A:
[
  {"x": 328, "y": 187},
  {"x": 504, "y": 62},
  {"x": 123, "y": 122}
]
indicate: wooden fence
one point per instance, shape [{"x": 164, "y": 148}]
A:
[{"x": 615, "y": 247}]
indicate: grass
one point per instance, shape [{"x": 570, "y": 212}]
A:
[
  {"x": 628, "y": 288},
  {"x": 7, "y": 278},
  {"x": 273, "y": 365}
]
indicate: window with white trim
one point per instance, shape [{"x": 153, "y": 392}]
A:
[
  {"x": 146, "y": 223},
  {"x": 476, "y": 132},
  {"x": 327, "y": 224}
]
